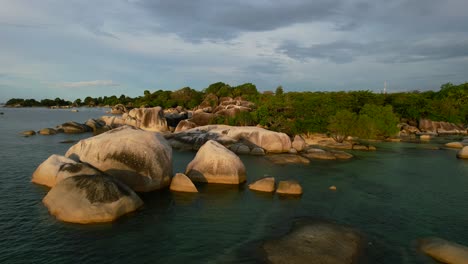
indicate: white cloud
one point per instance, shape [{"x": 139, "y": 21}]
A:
[{"x": 95, "y": 83}]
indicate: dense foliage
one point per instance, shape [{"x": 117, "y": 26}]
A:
[{"x": 372, "y": 114}]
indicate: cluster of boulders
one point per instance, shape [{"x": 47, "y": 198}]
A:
[
  {"x": 97, "y": 126},
  {"x": 97, "y": 178},
  {"x": 214, "y": 106},
  {"x": 267, "y": 184},
  {"x": 431, "y": 128}
]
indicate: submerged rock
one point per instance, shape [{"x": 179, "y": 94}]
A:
[
  {"x": 266, "y": 184},
  {"x": 318, "y": 242},
  {"x": 289, "y": 188},
  {"x": 140, "y": 159},
  {"x": 341, "y": 154},
  {"x": 214, "y": 163},
  {"x": 315, "y": 153},
  {"x": 257, "y": 151},
  {"x": 181, "y": 183},
  {"x": 91, "y": 199},
  {"x": 444, "y": 251},
  {"x": 28, "y": 133},
  {"x": 463, "y": 153},
  {"x": 57, "y": 168},
  {"x": 283, "y": 159}
]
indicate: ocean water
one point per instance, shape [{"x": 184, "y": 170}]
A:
[{"x": 401, "y": 192}]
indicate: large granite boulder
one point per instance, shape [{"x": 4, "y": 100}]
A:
[
  {"x": 270, "y": 141},
  {"x": 315, "y": 242},
  {"x": 74, "y": 128},
  {"x": 299, "y": 143},
  {"x": 56, "y": 168},
  {"x": 266, "y": 184},
  {"x": 150, "y": 119},
  {"x": 184, "y": 125},
  {"x": 440, "y": 127},
  {"x": 444, "y": 251},
  {"x": 91, "y": 199},
  {"x": 140, "y": 159},
  {"x": 289, "y": 187},
  {"x": 96, "y": 125},
  {"x": 181, "y": 183},
  {"x": 201, "y": 118},
  {"x": 214, "y": 163},
  {"x": 463, "y": 153}
]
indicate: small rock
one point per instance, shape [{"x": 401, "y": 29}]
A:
[
  {"x": 68, "y": 141},
  {"x": 360, "y": 147},
  {"x": 341, "y": 154},
  {"x": 257, "y": 151},
  {"x": 425, "y": 137},
  {"x": 289, "y": 188},
  {"x": 292, "y": 151},
  {"x": 371, "y": 148},
  {"x": 47, "y": 131},
  {"x": 463, "y": 153},
  {"x": 457, "y": 145},
  {"x": 74, "y": 128},
  {"x": 332, "y": 188},
  {"x": 182, "y": 183},
  {"x": 28, "y": 133},
  {"x": 266, "y": 184},
  {"x": 444, "y": 251}
]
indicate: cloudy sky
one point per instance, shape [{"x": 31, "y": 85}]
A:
[{"x": 74, "y": 48}]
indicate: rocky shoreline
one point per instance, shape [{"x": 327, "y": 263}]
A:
[{"x": 99, "y": 178}]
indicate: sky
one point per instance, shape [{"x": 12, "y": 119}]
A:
[{"x": 75, "y": 48}]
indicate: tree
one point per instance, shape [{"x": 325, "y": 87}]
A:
[
  {"x": 382, "y": 119},
  {"x": 341, "y": 125},
  {"x": 279, "y": 91}
]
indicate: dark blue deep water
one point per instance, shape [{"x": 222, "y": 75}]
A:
[{"x": 394, "y": 196}]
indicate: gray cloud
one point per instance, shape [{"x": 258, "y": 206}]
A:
[
  {"x": 95, "y": 83},
  {"x": 382, "y": 51},
  {"x": 212, "y": 19}
]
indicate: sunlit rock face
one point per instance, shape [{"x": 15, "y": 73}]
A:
[
  {"x": 214, "y": 163},
  {"x": 57, "y": 168},
  {"x": 181, "y": 183},
  {"x": 266, "y": 184},
  {"x": 149, "y": 119},
  {"x": 463, "y": 153},
  {"x": 91, "y": 199},
  {"x": 289, "y": 187},
  {"x": 140, "y": 159}
]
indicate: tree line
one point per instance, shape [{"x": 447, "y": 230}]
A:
[{"x": 301, "y": 112}]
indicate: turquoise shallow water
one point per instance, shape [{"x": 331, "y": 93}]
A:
[{"x": 395, "y": 195}]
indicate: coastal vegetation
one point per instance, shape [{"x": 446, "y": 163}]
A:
[{"x": 358, "y": 113}]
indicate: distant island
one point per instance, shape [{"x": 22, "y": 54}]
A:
[{"x": 358, "y": 113}]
